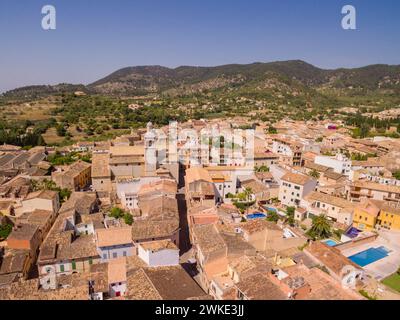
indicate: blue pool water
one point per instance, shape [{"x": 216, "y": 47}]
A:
[
  {"x": 369, "y": 256},
  {"x": 330, "y": 242},
  {"x": 270, "y": 209},
  {"x": 257, "y": 215}
]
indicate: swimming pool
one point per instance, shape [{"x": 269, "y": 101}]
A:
[
  {"x": 330, "y": 242},
  {"x": 369, "y": 256},
  {"x": 257, "y": 215}
]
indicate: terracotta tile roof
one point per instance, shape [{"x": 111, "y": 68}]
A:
[
  {"x": 155, "y": 246},
  {"x": 376, "y": 186},
  {"x": 82, "y": 247},
  {"x": 100, "y": 165},
  {"x": 368, "y": 163},
  {"x": 323, "y": 287},
  {"x": 23, "y": 231},
  {"x": 258, "y": 225},
  {"x": 117, "y": 270},
  {"x": 313, "y": 165},
  {"x": 82, "y": 202},
  {"x": 196, "y": 174},
  {"x": 140, "y": 287},
  {"x": 76, "y": 168},
  {"x": 145, "y": 230},
  {"x": 330, "y": 174},
  {"x": 159, "y": 208},
  {"x": 260, "y": 287},
  {"x": 14, "y": 262},
  {"x": 264, "y": 175},
  {"x": 164, "y": 186},
  {"x": 329, "y": 199},
  {"x": 208, "y": 238},
  {"x": 331, "y": 257},
  {"x": 163, "y": 283},
  {"x": 296, "y": 178},
  {"x": 113, "y": 236},
  {"x": 256, "y": 186},
  {"x": 39, "y": 217},
  {"x": 76, "y": 289},
  {"x": 42, "y": 194}
]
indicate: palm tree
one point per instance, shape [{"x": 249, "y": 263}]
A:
[
  {"x": 321, "y": 227},
  {"x": 248, "y": 192},
  {"x": 314, "y": 174}
]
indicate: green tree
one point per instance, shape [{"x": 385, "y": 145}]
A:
[
  {"x": 128, "y": 219},
  {"x": 248, "y": 192},
  {"x": 261, "y": 169},
  {"x": 64, "y": 194},
  {"x": 5, "y": 231},
  {"x": 61, "y": 131},
  {"x": 321, "y": 227},
  {"x": 314, "y": 174},
  {"x": 290, "y": 214},
  {"x": 272, "y": 130},
  {"x": 117, "y": 213},
  {"x": 396, "y": 174},
  {"x": 272, "y": 216}
]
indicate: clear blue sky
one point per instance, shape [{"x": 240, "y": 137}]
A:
[{"x": 96, "y": 37}]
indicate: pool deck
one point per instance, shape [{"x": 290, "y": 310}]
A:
[{"x": 384, "y": 267}]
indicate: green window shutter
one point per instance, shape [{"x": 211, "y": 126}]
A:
[
  {"x": 73, "y": 265},
  {"x": 62, "y": 268}
]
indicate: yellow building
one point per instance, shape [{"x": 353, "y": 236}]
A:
[
  {"x": 366, "y": 215},
  {"x": 389, "y": 217}
]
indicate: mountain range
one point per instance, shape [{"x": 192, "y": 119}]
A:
[{"x": 142, "y": 80}]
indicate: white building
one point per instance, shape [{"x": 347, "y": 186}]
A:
[
  {"x": 294, "y": 187},
  {"x": 339, "y": 163},
  {"x": 162, "y": 253},
  {"x": 128, "y": 188}
]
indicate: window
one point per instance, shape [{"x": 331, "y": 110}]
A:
[
  {"x": 62, "y": 268},
  {"x": 73, "y": 265},
  {"x": 124, "y": 253},
  {"x": 90, "y": 261},
  {"x": 105, "y": 256},
  {"x": 115, "y": 255}
]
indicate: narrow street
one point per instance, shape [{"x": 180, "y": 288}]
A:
[{"x": 184, "y": 238}]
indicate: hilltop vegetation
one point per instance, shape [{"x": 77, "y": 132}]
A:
[{"x": 264, "y": 92}]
